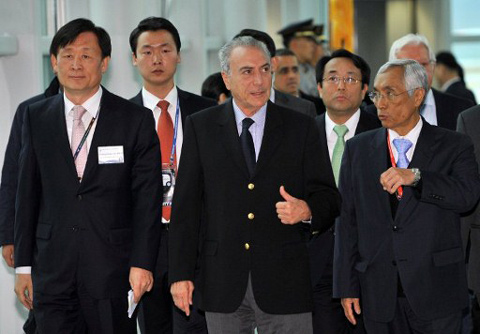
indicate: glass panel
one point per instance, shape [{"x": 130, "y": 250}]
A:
[
  {"x": 467, "y": 56},
  {"x": 464, "y": 17}
]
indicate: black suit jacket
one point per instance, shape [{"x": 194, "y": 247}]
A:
[
  {"x": 97, "y": 229},
  {"x": 318, "y": 102},
  {"x": 459, "y": 89},
  {"x": 448, "y": 109},
  {"x": 321, "y": 243},
  {"x": 189, "y": 103},
  {"x": 421, "y": 245},
  {"x": 295, "y": 103},
  {"x": 213, "y": 173},
  {"x": 8, "y": 188}
]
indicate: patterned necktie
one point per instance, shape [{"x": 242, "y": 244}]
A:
[
  {"x": 248, "y": 148},
  {"x": 165, "y": 133},
  {"x": 402, "y": 146},
  {"x": 341, "y": 131},
  {"x": 77, "y": 133}
]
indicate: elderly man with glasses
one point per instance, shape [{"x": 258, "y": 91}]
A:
[{"x": 398, "y": 249}]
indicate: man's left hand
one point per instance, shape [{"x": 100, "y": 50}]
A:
[
  {"x": 293, "y": 210},
  {"x": 395, "y": 177},
  {"x": 141, "y": 281}
]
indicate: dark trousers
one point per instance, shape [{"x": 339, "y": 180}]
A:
[
  {"x": 406, "y": 322},
  {"x": 157, "y": 313},
  {"x": 76, "y": 312}
]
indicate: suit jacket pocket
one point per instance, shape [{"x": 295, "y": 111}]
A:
[
  {"x": 44, "y": 231},
  {"x": 448, "y": 256},
  {"x": 120, "y": 236},
  {"x": 361, "y": 266},
  {"x": 210, "y": 248}
]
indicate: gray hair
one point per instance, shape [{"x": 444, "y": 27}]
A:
[
  {"x": 226, "y": 51},
  {"x": 414, "y": 39},
  {"x": 414, "y": 74}
]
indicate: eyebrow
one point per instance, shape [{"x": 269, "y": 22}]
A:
[{"x": 145, "y": 46}]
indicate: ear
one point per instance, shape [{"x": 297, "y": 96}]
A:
[
  {"x": 134, "y": 59},
  {"x": 274, "y": 63},
  {"x": 104, "y": 64},
  {"x": 418, "y": 96},
  {"x": 226, "y": 80},
  {"x": 179, "y": 58},
  {"x": 364, "y": 90},
  {"x": 320, "y": 90},
  {"x": 53, "y": 61}
]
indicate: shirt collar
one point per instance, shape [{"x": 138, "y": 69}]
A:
[
  {"x": 150, "y": 101},
  {"x": 272, "y": 94},
  {"x": 430, "y": 100},
  {"x": 412, "y": 135},
  {"x": 258, "y": 117},
  {"x": 449, "y": 83},
  {"x": 351, "y": 123},
  {"x": 92, "y": 105}
]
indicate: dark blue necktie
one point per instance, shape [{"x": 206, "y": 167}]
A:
[
  {"x": 248, "y": 148},
  {"x": 402, "y": 146}
]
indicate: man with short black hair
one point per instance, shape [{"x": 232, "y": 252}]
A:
[
  {"x": 155, "y": 45},
  {"x": 86, "y": 227}
]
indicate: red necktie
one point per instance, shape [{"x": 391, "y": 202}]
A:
[{"x": 165, "y": 135}]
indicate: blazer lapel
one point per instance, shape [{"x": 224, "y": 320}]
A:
[
  {"x": 228, "y": 131},
  {"x": 105, "y": 123},
  {"x": 378, "y": 158},
  {"x": 272, "y": 136}
]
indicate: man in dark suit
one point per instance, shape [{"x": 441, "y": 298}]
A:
[
  {"x": 439, "y": 108},
  {"x": 450, "y": 77},
  {"x": 276, "y": 96},
  {"x": 255, "y": 182},
  {"x": 468, "y": 122},
  {"x": 287, "y": 78},
  {"x": 155, "y": 45},
  {"x": 87, "y": 207},
  {"x": 8, "y": 187},
  {"x": 343, "y": 80},
  {"x": 398, "y": 246}
]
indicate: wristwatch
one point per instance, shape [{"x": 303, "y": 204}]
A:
[{"x": 417, "y": 176}]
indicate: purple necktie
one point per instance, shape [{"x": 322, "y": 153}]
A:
[{"x": 402, "y": 146}]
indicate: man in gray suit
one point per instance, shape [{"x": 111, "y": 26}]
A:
[
  {"x": 277, "y": 97},
  {"x": 467, "y": 123}
]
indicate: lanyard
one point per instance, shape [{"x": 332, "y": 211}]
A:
[
  {"x": 399, "y": 191},
  {"x": 175, "y": 131},
  {"x": 85, "y": 135}
]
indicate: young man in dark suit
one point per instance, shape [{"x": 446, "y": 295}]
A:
[
  {"x": 343, "y": 80},
  {"x": 253, "y": 170},
  {"x": 155, "y": 45},
  {"x": 398, "y": 247},
  {"x": 86, "y": 227},
  {"x": 439, "y": 108}
]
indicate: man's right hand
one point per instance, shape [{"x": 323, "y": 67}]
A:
[
  {"x": 7, "y": 253},
  {"x": 182, "y": 293},
  {"x": 24, "y": 289},
  {"x": 347, "y": 304}
]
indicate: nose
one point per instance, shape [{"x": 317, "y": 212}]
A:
[
  {"x": 157, "y": 57},
  {"x": 77, "y": 62},
  {"x": 257, "y": 79},
  {"x": 380, "y": 102},
  {"x": 341, "y": 84}
]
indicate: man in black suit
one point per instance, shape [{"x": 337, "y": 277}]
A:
[
  {"x": 155, "y": 45},
  {"x": 287, "y": 78},
  {"x": 276, "y": 96},
  {"x": 449, "y": 75},
  {"x": 254, "y": 171},
  {"x": 439, "y": 108},
  {"x": 343, "y": 80},
  {"x": 398, "y": 246},
  {"x": 87, "y": 207}
]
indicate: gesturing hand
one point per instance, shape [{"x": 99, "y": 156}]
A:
[{"x": 292, "y": 210}]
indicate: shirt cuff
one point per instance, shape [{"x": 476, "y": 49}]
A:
[{"x": 23, "y": 270}]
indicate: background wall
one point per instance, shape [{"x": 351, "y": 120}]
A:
[{"x": 204, "y": 26}]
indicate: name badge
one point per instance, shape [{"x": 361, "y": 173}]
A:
[{"x": 110, "y": 155}]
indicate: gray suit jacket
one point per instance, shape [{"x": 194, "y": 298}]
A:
[
  {"x": 295, "y": 103},
  {"x": 468, "y": 122}
]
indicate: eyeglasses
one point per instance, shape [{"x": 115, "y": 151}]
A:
[
  {"x": 390, "y": 96},
  {"x": 335, "y": 80}
]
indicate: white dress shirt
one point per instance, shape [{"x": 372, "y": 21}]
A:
[
  {"x": 412, "y": 136},
  {"x": 351, "y": 124},
  {"x": 429, "y": 111}
]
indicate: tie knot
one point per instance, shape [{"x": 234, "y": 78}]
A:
[
  {"x": 78, "y": 112},
  {"x": 340, "y": 130},
  {"x": 247, "y": 122},
  {"x": 402, "y": 145},
  {"x": 163, "y": 105}
]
